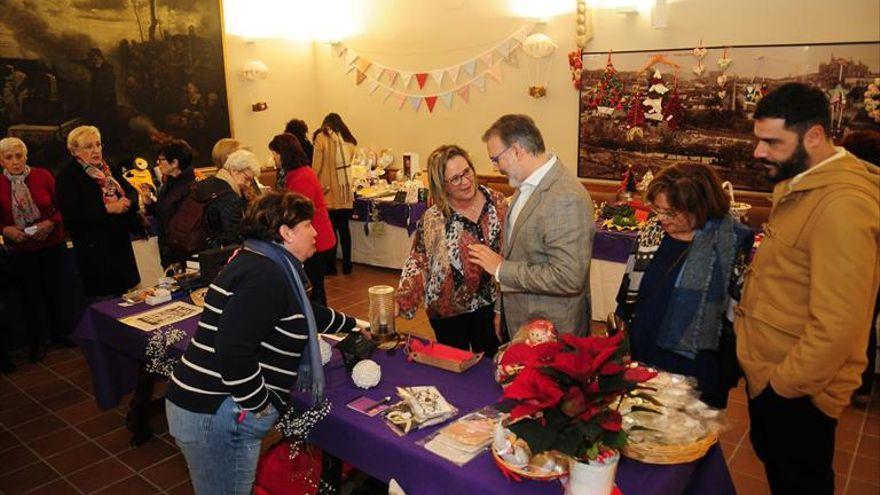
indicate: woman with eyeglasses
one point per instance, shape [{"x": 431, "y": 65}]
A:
[
  {"x": 683, "y": 279},
  {"x": 99, "y": 208},
  {"x": 458, "y": 295},
  {"x": 224, "y": 194},
  {"x": 175, "y": 165}
]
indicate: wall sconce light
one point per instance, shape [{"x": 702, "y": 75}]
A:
[{"x": 255, "y": 70}]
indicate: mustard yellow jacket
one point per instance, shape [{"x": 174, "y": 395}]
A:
[{"x": 802, "y": 325}]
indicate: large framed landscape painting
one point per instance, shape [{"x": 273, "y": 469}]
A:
[
  {"x": 647, "y": 109},
  {"x": 142, "y": 71}
]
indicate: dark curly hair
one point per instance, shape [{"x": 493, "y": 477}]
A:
[{"x": 268, "y": 212}]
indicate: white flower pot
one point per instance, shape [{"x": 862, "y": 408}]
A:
[{"x": 592, "y": 478}]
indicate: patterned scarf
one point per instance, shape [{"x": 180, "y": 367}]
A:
[
  {"x": 24, "y": 210},
  {"x": 111, "y": 189}
]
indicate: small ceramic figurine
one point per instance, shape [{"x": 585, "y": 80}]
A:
[{"x": 523, "y": 348}]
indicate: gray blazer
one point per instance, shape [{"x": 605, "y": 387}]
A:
[{"x": 546, "y": 268}]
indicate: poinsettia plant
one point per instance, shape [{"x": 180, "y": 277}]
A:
[{"x": 566, "y": 398}]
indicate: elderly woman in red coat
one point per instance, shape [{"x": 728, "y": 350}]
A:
[{"x": 31, "y": 224}]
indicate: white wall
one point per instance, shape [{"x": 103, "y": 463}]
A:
[{"x": 307, "y": 81}]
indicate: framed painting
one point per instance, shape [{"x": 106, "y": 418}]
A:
[
  {"x": 142, "y": 71},
  {"x": 648, "y": 109}
]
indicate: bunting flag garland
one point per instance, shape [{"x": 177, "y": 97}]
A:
[{"x": 489, "y": 63}]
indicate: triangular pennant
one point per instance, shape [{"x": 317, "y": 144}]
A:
[
  {"x": 349, "y": 68},
  {"x": 470, "y": 67},
  {"x": 341, "y": 49},
  {"x": 374, "y": 85},
  {"x": 421, "y": 77},
  {"x": 392, "y": 75},
  {"x": 495, "y": 72},
  {"x": 363, "y": 64},
  {"x": 415, "y": 102},
  {"x": 406, "y": 78},
  {"x": 446, "y": 98},
  {"x": 350, "y": 57},
  {"x": 504, "y": 48},
  {"x": 480, "y": 82},
  {"x": 453, "y": 73},
  {"x": 388, "y": 93},
  {"x": 401, "y": 99},
  {"x": 381, "y": 72},
  {"x": 464, "y": 92},
  {"x": 430, "y": 101},
  {"x": 437, "y": 75},
  {"x": 360, "y": 77},
  {"x": 487, "y": 58},
  {"x": 512, "y": 60}
]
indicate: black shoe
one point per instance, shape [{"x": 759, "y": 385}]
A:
[
  {"x": 63, "y": 341},
  {"x": 346, "y": 267}
]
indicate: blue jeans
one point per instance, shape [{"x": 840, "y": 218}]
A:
[{"x": 221, "y": 453}]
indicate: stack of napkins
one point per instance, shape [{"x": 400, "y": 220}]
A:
[{"x": 464, "y": 439}]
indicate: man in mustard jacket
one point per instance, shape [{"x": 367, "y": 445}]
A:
[{"x": 807, "y": 303}]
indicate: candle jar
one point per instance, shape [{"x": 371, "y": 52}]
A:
[{"x": 382, "y": 312}]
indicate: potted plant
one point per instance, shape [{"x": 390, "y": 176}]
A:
[{"x": 566, "y": 400}]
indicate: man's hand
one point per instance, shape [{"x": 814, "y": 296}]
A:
[
  {"x": 481, "y": 255},
  {"x": 44, "y": 228},
  {"x": 14, "y": 233}
]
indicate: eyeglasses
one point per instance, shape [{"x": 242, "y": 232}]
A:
[
  {"x": 455, "y": 180},
  {"x": 161, "y": 159},
  {"x": 494, "y": 159},
  {"x": 664, "y": 213}
]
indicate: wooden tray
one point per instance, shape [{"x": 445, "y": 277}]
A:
[{"x": 454, "y": 366}]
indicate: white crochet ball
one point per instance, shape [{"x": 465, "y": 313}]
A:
[
  {"x": 326, "y": 351},
  {"x": 366, "y": 374}
]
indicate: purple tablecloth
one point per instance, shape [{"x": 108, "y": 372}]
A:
[
  {"x": 403, "y": 215},
  {"x": 371, "y": 446},
  {"x": 610, "y": 245},
  {"x": 113, "y": 351}
]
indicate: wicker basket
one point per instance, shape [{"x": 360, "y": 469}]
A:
[
  {"x": 737, "y": 208},
  {"x": 524, "y": 473},
  {"x": 653, "y": 453}
]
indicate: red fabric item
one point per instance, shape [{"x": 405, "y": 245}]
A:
[
  {"x": 304, "y": 181},
  {"x": 440, "y": 351},
  {"x": 278, "y": 474},
  {"x": 421, "y": 77},
  {"x": 42, "y": 187}
]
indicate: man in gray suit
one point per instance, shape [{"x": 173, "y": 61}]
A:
[{"x": 544, "y": 265}]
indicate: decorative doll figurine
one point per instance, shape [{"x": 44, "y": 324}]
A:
[{"x": 528, "y": 344}]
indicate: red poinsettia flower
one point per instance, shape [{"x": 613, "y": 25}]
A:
[
  {"x": 611, "y": 420},
  {"x": 611, "y": 368},
  {"x": 639, "y": 374},
  {"x": 534, "y": 390},
  {"x": 574, "y": 402}
]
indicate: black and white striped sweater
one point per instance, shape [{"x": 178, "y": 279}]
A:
[{"x": 249, "y": 341}]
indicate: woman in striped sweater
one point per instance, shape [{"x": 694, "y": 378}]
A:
[{"x": 256, "y": 337}]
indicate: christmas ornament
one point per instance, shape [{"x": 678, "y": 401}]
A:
[
  {"x": 326, "y": 351},
  {"x": 699, "y": 53},
  {"x": 872, "y": 100},
  {"x": 575, "y": 66},
  {"x": 607, "y": 97},
  {"x": 538, "y": 47},
  {"x": 366, "y": 374}
]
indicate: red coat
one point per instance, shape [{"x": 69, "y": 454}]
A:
[
  {"x": 304, "y": 181},
  {"x": 42, "y": 187}
]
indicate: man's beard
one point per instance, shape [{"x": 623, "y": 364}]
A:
[{"x": 777, "y": 172}]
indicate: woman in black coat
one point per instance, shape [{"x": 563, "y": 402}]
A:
[
  {"x": 175, "y": 164},
  {"x": 99, "y": 208}
]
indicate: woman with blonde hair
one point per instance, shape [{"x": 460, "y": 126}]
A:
[
  {"x": 334, "y": 148},
  {"x": 99, "y": 208},
  {"x": 458, "y": 295}
]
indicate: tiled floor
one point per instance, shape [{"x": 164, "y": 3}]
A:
[{"x": 54, "y": 440}]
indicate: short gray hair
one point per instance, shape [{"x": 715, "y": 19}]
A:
[
  {"x": 241, "y": 160},
  {"x": 76, "y": 136},
  {"x": 520, "y": 129},
  {"x": 12, "y": 143}
]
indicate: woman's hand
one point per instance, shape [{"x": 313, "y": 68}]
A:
[
  {"x": 119, "y": 206},
  {"x": 14, "y": 233},
  {"x": 44, "y": 228},
  {"x": 146, "y": 194}
]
